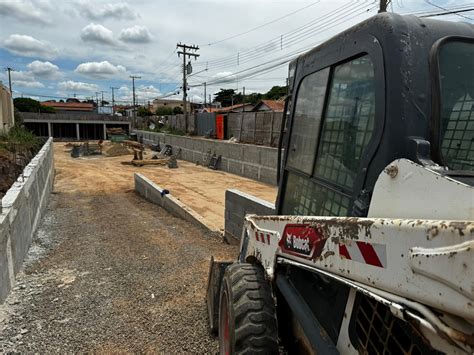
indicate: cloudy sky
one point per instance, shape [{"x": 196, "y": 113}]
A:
[{"x": 79, "y": 47}]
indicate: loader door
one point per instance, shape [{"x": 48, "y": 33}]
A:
[{"x": 331, "y": 129}]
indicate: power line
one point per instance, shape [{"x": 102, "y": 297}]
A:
[
  {"x": 291, "y": 38},
  {"x": 262, "y": 25},
  {"x": 232, "y": 76},
  {"x": 447, "y": 10},
  {"x": 453, "y": 12}
]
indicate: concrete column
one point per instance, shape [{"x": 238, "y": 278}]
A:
[
  {"x": 105, "y": 131},
  {"x": 78, "y": 136},
  {"x": 50, "y": 131}
]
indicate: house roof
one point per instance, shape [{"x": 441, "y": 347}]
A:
[
  {"x": 273, "y": 105},
  {"x": 70, "y": 106}
]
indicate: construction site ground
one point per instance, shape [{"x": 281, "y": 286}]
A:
[{"x": 111, "y": 272}]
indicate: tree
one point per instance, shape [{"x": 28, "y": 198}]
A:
[
  {"x": 228, "y": 96},
  {"x": 25, "y": 104},
  {"x": 144, "y": 111},
  {"x": 253, "y": 98},
  {"x": 164, "y": 111},
  {"x": 177, "y": 110},
  {"x": 275, "y": 93}
]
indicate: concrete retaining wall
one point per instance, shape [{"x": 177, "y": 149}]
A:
[
  {"x": 154, "y": 193},
  {"x": 251, "y": 161},
  {"x": 237, "y": 205},
  {"x": 22, "y": 208}
]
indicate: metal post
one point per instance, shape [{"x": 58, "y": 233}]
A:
[
  {"x": 78, "y": 137},
  {"x": 383, "y": 5},
  {"x": 10, "y": 79},
  {"x": 134, "y": 101}
]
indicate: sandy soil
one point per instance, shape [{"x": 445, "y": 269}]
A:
[
  {"x": 200, "y": 188},
  {"x": 111, "y": 272}
]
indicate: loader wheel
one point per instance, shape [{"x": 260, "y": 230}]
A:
[{"x": 247, "y": 316}]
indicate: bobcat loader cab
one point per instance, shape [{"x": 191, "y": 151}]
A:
[{"x": 372, "y": 247}]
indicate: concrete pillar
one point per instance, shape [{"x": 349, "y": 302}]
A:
[
  {"x": 78, "y": 136},
  {"x": 105, "y": 131},
  {"x": 50, "y": 131}
]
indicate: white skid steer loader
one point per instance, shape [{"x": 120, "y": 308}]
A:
[{"x": 371, "y": 249}]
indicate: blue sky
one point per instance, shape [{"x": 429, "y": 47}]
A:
[{"x": 80, "y": 47}]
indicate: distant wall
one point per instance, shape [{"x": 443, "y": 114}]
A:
[
  {"x": 22, "y": 208},
  {"x": 237, "y": 205},
  {"x": 251, "y": 161}
]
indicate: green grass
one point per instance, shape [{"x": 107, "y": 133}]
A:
[{"x": 20, "y": 139}]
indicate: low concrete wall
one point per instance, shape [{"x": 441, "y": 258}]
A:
[
  {"x": 251, "y": 161},
  {"x": 237, "y": 205},
  {"x": 154, "y": 193},
  {"x": 22, "y": 208}
]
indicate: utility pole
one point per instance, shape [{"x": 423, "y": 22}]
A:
[
  {"x": 185, "y": 52},
  {"x": 134, "y": 105},
  {"x": 102, "y": 102},
  {"x": 97, "y": 100},
  {"x": 9, "y": 70},
  {"x": 113, "y": 100},
  {"x": 205, "y": 95},
  {"x": 383, "y": 5}
]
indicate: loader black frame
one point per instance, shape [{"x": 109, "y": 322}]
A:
[{"x": 404, "y": 55}]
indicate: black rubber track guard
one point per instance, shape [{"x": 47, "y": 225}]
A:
[{"x": 248, "y": 308}]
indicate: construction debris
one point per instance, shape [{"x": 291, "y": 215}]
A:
[
  {"x": 86, "y": 149},
  {"x": 117, "y": 149}
]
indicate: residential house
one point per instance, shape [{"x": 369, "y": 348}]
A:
[{"x": 270, "y": 105}]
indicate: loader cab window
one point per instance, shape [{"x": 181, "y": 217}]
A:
[
  {"x": 456, "y": 71},
  {"x": 306, "y": 121},
  {"x": 344, "y": 133}
]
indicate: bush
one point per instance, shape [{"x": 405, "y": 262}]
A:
[
  {"x": 177, "y": 110},
  {"x": 164, "y": 111},
  {"x": 19, "y": 138}
]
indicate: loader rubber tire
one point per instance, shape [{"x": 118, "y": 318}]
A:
[{"x": 247, "y": 315}]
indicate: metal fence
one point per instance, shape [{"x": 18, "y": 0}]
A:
[{"x": 262, "y": 128}]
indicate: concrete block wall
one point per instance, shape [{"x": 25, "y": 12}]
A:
[
  {"x": 237, "y": 205},
  {"x": 252, "y": 161},
  {"x": 22, "y": 208},
  {"x": 154, "y": 193}
]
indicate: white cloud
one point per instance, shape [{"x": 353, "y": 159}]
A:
[
  {"x": 224, "y": 75},
  {"x": 116, "y": 11},
  {"x": 46, "y": 70},
  {"x": 135, "y": 34},
  {"x": 22, "y": 11},
  {"x": 100, "y": 70},
  {"x": 25, "y": 79},
  {"x": 142, "y": 93},
  {"x": 77, "y": 86},
  {"x": 98, "y": 34},
  {"x": 29, "y": 47}
]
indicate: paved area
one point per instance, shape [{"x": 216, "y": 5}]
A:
[{"x": 110, "y": 272}]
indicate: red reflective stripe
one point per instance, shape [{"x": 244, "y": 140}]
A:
[
  {"x": 268, "y": 238},
  {"x": 369, "y": 254},
  {"x": 344, "y": 252},
  {"x": 262, "y": 237},
  {"x": 256, "y": 236}
]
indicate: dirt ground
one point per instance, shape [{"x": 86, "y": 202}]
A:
[
  {"x": 200, "y": 188},
  {"x": 110, "y": 272}
]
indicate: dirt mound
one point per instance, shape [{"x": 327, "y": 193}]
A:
[{"x": 117, "y": 150}]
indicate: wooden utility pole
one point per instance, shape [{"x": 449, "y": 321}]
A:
[
  {"x": 205, "y": 95},
  {"x": 383, "y": 5},
  {"x": 185, "y": 52},
  {"x": 9, "y": 70},
  {"x": 134, "y": 103}
]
